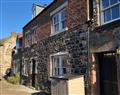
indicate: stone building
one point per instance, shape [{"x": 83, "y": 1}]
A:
[
  {"x": 6, "y": 46},
  {"x": 72, "y": 38},
  {"x": 65, "y": 40}
]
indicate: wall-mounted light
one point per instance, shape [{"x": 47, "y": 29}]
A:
[{"x": 118, "y": 50}]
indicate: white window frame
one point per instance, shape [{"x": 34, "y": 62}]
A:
[
  {"x": 33, "y": 38},
  {"x": 109, "y": 7},
  {"x": 25, "y": 70},
  {"x": 27, "y": 39},
  {"x": 56, "y": 23},
  {"x": 59, "y": 14},
  {"x": 59, "y": 55},
  {"x": 61, "y": 19},
  {"x": 55, "y": 12},
  {"x": 33, "y": 34}
]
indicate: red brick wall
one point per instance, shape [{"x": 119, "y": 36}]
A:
[
  {"x": 43, "y": 31},
  {"x": 44, "y": 16},
  {"x": 43, "y": 22},
  {"x": 77, "y": 12}
]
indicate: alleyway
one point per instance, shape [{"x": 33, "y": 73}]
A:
[{"x": 9, "y": 89}]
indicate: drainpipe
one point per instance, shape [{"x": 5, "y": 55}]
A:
[
  {"x": 89, "y": 24},
  {"x": 88, "y": 71}
]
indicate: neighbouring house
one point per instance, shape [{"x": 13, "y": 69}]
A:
[
  {"x": 73, "y": 44},
  {"x": 6, "y": 46},
  {"x": 17, "y": 54}
]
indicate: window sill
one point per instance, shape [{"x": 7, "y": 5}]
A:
[
  {"x": 110, "y": 21},
  {"x": 59, "y": 77},
  {"x": 63, "y": 78},
  {"x": 67, "y": 77},
  {"x": 110, "y": 26},
  {"x": 55, "y": 33},
  {"x": 25, "y": 75}
]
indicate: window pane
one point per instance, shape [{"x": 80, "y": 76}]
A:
[
  {"x": 26, "y": 69},
  {"x": 55, "y": 63},
  {"x": 115, "y": 12},
  {"x": 58, "y": 71},
  {"x": 56, "y": 19},
  {"x": 64, "y": 70},
  {"x": 64, "y": 15},
  {"x": 105, "y": 3},
  {"x": 55, "y": 72},
  {"x": 56, "y": 27},
  {"x": 113, "y": 2},
  {"x": 64, "y": 62},
  {"x": 107, "y": 15},
  {"x": 64, "y": 24}
]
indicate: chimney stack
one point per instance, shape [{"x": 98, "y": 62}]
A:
[{"x": 13, "y": 34}]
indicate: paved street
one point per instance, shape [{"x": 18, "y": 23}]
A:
[{"x": 9, "y": 89}]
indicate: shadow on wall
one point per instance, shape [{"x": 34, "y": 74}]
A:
[{"x": 40, "y": 93}]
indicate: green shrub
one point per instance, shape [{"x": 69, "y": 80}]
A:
[{"x": 14, "y": 79}]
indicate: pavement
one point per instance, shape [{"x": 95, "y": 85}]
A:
[{"x": 11, "y": 89}]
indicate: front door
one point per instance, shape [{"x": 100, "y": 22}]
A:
[
  {"x": 33, "y": 72},
  {"x": 108, "y": 74}
]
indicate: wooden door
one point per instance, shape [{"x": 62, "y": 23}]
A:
[
  {"x": 108, "y": 74},
  {"x": 33, "y": 72}
]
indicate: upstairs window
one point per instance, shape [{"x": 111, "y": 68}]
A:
[
  {"x": 56, "y": 23},
  {"x": 110, "y": 10},
  {"x": 59, "y": 21},
  {"x": 30, "y": 37},
  {"x": 34, "y": 36},
  {"x": 63, "y": 19},
  {"x": 26, "y": 40}
]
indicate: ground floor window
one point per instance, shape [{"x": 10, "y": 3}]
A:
[
  {"x": 59, "y": 64},
  {"x": 25, "y": 69}
]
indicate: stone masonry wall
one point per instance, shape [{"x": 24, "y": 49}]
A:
[{"x": 6, "y": 51}]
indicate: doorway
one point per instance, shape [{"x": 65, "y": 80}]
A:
[
  {"x": 33, "y": 72},
  {"x": 108, "y": 73}
]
